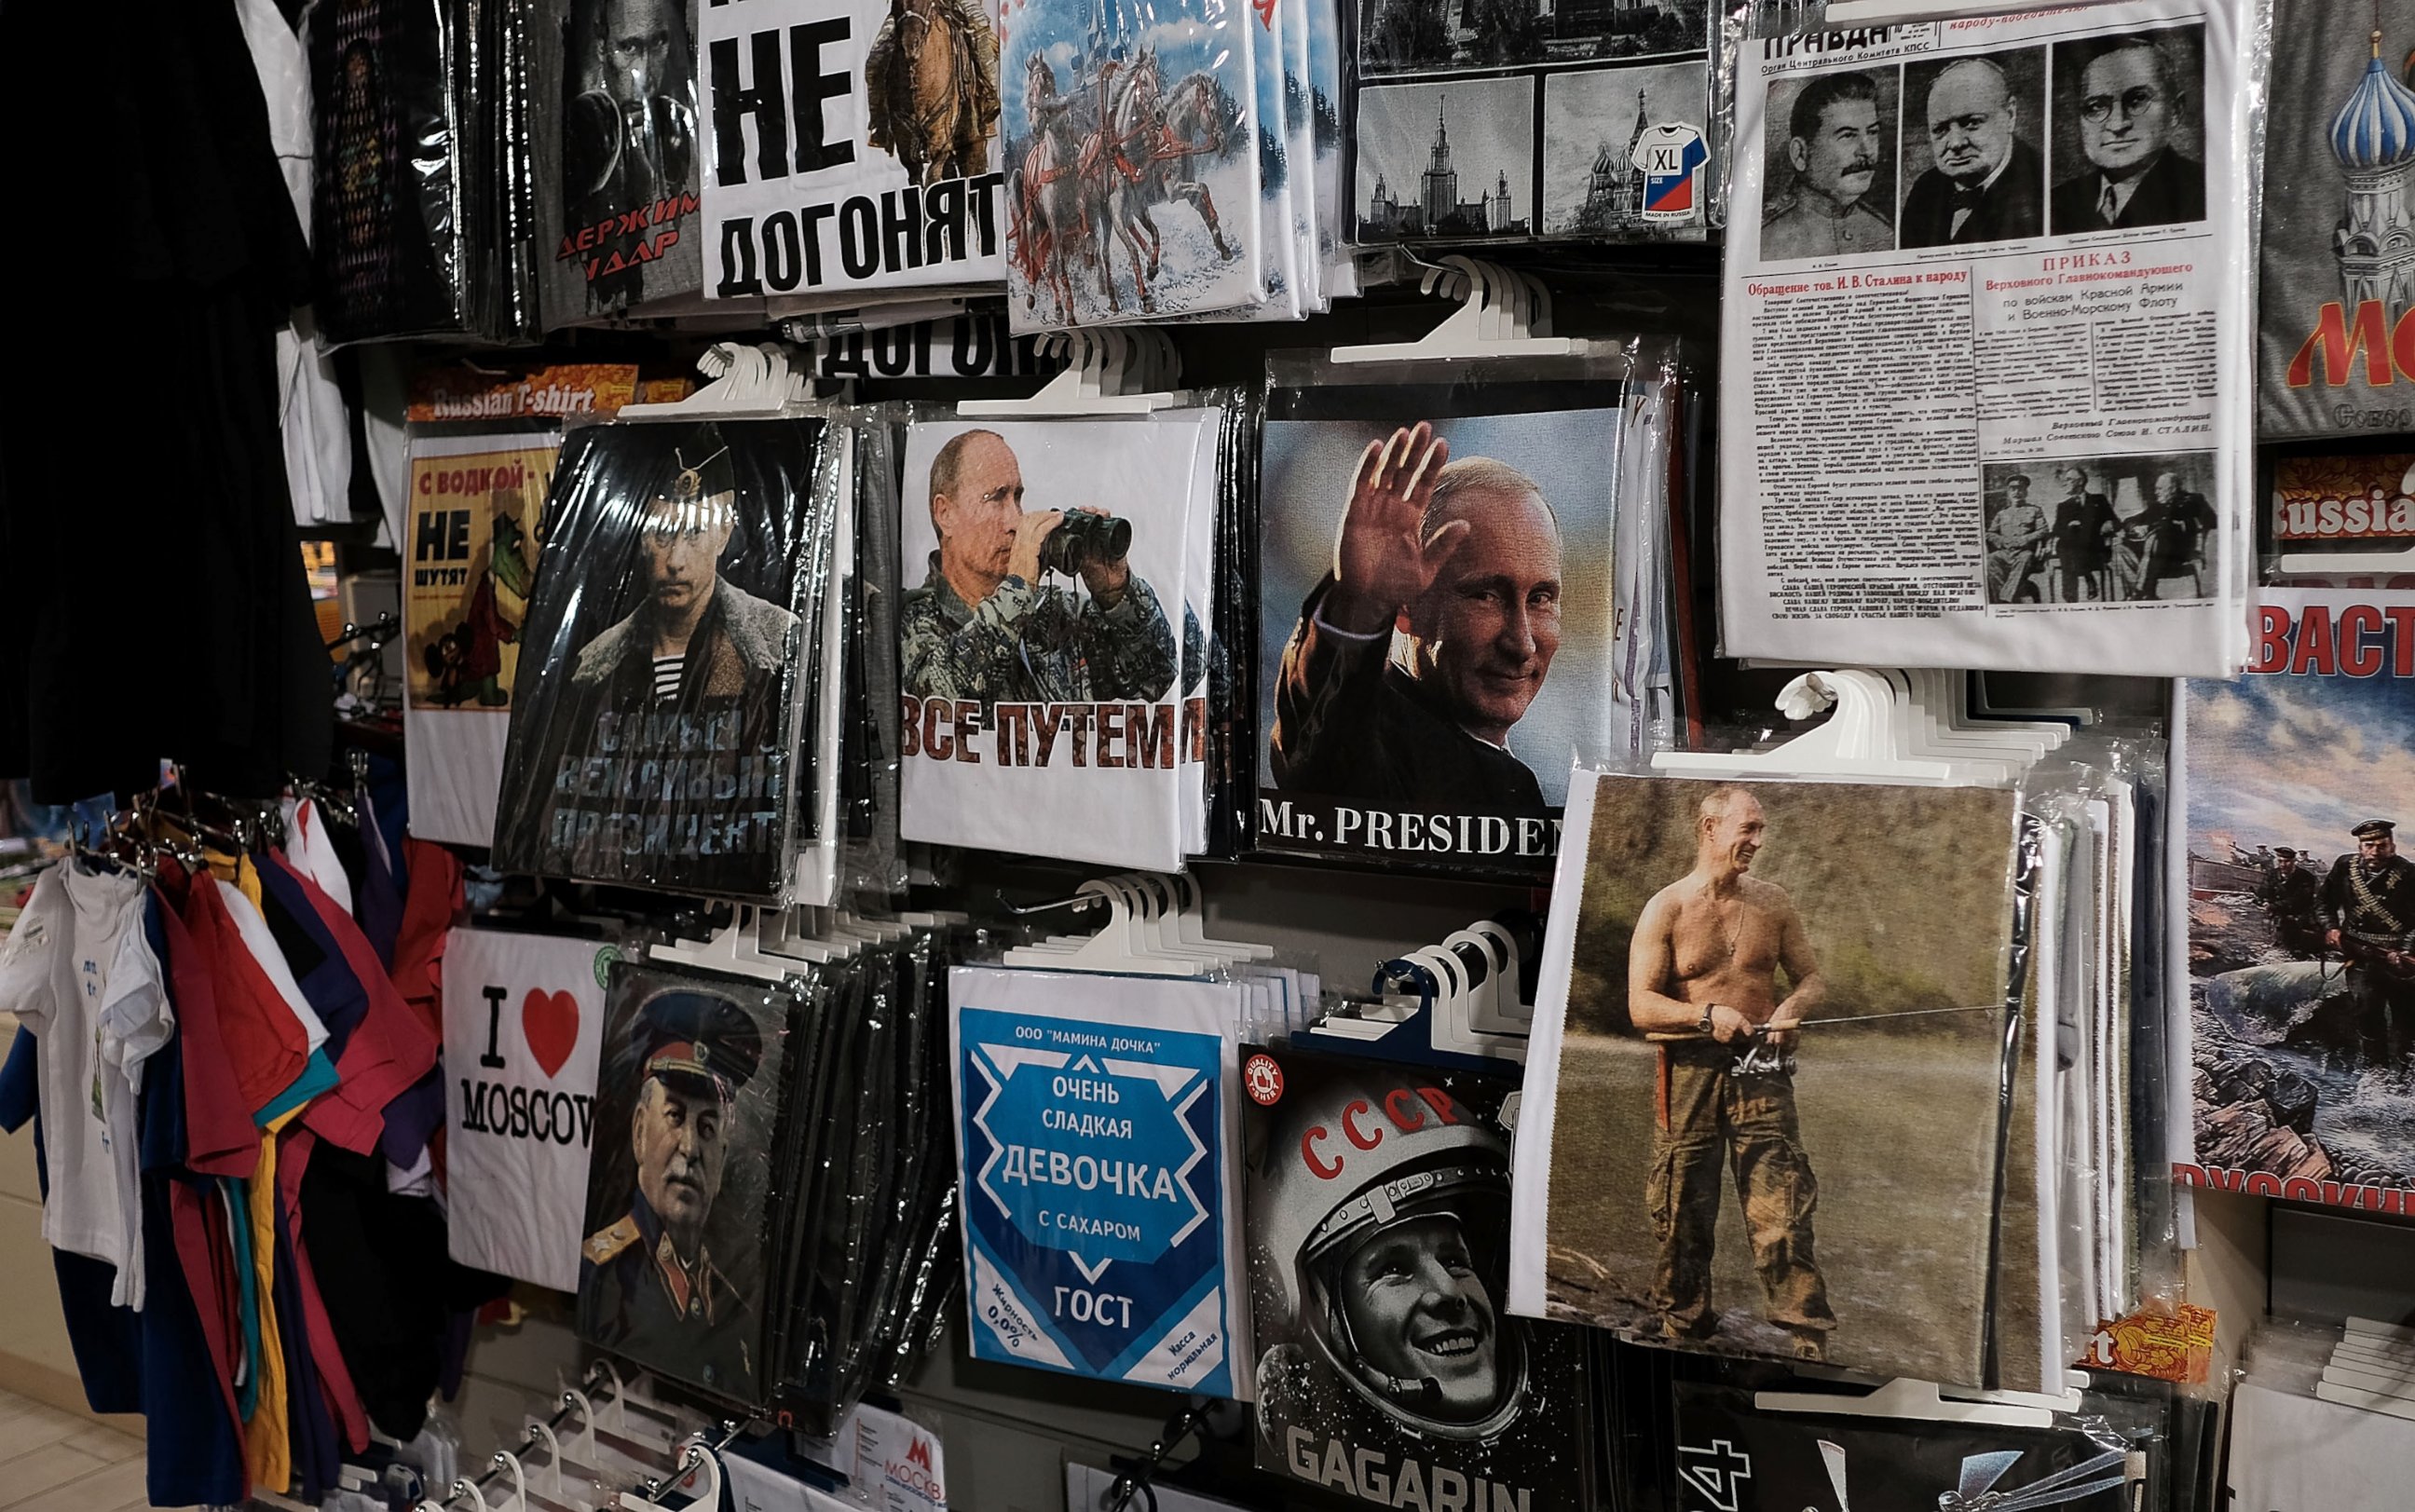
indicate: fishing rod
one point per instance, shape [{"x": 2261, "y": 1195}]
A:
[{"x": 1665, "y": 1037}]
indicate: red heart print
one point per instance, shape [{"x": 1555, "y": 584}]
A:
[{"x": 550, "y": 1021}]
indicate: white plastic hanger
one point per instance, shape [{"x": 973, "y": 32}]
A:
[
  {"x": 1194, "y": 921},
  {"x": 559, "y": 1484},
  {"x": 1491, "y": 1005},
  {"x": 1447, "y": 1015},
  {"x": 1944, "y": 698},
  {"x": 635, "y": 1420},
  {"x": 747, "y": 383},
  {"x": 2335, "y": 564},
  {"x": 1452, "y": 1024},
  {"x": 1862, "y": 739},
  {"x": 583, "y": 1442},
  {"x": 509, "y": 1463},
  {"x": 1119, "y": 946},
  {"x": 1924, "y": 736},
  {"x": 1922, "y": 1401},
  {"x": 1501, "y": 314},
  {"x": 732, "y": 949},
  {"x": 1114, "y": 370},
  {"x": 790, "y": 934},
  {"x": 1164, "y": 916}
]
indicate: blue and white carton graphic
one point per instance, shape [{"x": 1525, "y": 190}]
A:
[{"x": 1098, "y": 1142}]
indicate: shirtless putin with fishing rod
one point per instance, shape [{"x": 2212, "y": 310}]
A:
[{"x": 1702, "y": 979}]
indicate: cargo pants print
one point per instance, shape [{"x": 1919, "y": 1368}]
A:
[{"x": 1749, "y": 1119}]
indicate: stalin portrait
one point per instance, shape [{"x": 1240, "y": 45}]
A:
[
  {"x": 648, "y": 1286},
  {"x": 1840, "y": 145}
]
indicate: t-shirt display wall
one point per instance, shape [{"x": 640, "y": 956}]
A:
[{"x": 1050, "y": 760}]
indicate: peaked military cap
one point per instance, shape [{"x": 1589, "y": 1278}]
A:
[
  {"x": 700, "y": 1038},
  {"x": 2374, "y": 826}
]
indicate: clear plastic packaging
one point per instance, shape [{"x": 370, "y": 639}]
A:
[
  {"x": 679, "y": 623},
  {"x": 1440, "y": 597},
  {"x": 1809, "y": 979},
  {"x": 681, "y": 1251}
]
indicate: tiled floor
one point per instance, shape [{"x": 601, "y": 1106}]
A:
[{"x": 50, "y": 1462}]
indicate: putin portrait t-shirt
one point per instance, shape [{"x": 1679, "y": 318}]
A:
[{"x": 523, "y": 1026}]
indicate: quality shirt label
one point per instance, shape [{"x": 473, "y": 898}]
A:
[{"x": 1092, "y": 1164}]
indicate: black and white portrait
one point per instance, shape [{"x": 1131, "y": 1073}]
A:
[
  {"x": 628, "y": 129},
  {"x": 1408, "y": 37},
  {"x": 1447, "y": 161},
  {"x": 1830, "y": 144},
  {"x": 1973, "y": 130},
  {"x": 1378, "y": 1218},
  {"x": 2083, "y": 529},
  {"x": 2129, "y": 131}
]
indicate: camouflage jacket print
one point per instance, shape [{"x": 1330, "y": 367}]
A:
[{"x": 1034, "y": 645}]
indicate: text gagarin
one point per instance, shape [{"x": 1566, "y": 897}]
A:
[{"x": 1387, "y": 1480}]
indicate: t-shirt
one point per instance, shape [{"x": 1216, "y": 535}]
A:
[
  {"x": 2293, "y": 1453},
  {"x": 313, "y": 854},
  {"x": 1668, "y": 156},
  {"x": 523, "y": 1033},
  {"x": 77, "y": 971},
  {"x": 380, "y": 1047},
  {"x": 266, "y": 1047}
]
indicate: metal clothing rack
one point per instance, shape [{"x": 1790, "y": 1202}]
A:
[{"x": 599, "y": 1384}]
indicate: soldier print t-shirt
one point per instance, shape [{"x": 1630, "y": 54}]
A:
[
  {"x": 1039, "y": 643},
  {"x": 2299, "y": 904},
  {"x": 672, "y": 1272},
  {"x": 702, "y": 546}
]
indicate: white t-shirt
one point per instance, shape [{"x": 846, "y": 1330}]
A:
[
  {"x": 254, "y": 932},
  {"x": 523, "y": 1035},
  {"x": 313, "y": 854},
  {"x": 2291, "y": 1453},
  {"x": 79, "y": 973}
]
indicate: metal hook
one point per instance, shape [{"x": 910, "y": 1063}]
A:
[{"x": 1077, "y": 903}]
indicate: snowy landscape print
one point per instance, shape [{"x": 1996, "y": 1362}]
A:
[{"x": 1132, "y": 162}]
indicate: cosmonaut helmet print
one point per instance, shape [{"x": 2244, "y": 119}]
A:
[{"x": 1384, "y": 1217}]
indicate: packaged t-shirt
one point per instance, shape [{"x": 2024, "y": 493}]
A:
[
  {"x": 471, "y": 564},
  {"x": 1378, "y": 1224},
  {"x": 2293, "y": 1453},
  {"x": 523, "y": 1026},
  {"x": 1730, "y": 1454},
  {"x": 1040, "y": 640},
  {"x": 2337, "y": 246},
  {"x": 673, "y": 1274},
  {"x": 77, "y": 971},
  {"x": 906, "y": 108},
  {"x": 671, "y": 647},
  {"x": 1436, "y": 625},
  {"x": 1098, "y": 1166}
]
